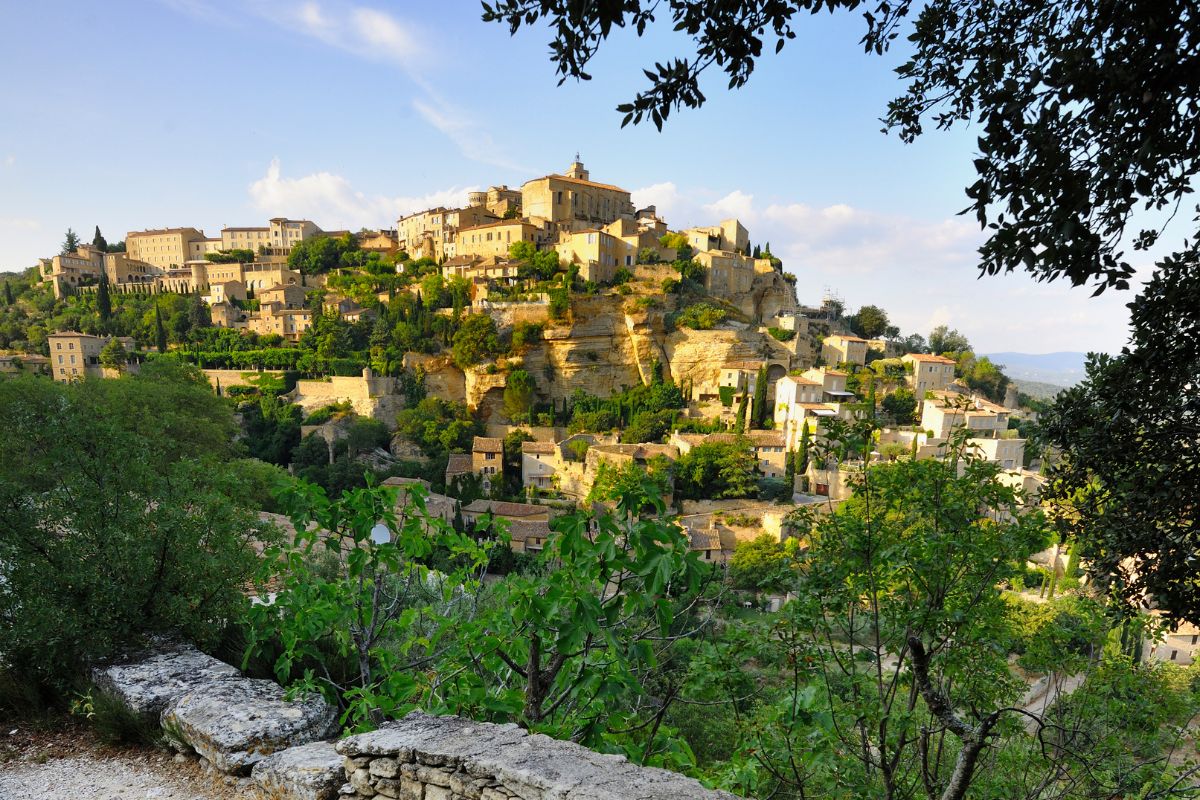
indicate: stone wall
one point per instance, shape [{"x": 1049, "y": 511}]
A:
[
  {"x": 236, "y": 377},
  {"x": 368, "y": 395},
  {"x": 280, "y": 749},
  {"x": 449, "y": 758}
]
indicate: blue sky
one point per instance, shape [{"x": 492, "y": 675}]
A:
[{"x": 131, "y": 114}]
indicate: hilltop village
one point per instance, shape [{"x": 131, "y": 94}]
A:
[{"x": 524, "y": 353}]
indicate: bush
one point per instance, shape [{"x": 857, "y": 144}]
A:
[
  {"x": 114, "y": 722},
  {"x": 781, "y": 334},
  {"x": 153, "y": 529},
  {"x": 701, "y": 316}
]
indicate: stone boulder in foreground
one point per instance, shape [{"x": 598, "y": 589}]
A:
[
  {"x": 236, "y": 723},
  {"x": 146, "y": 685}
]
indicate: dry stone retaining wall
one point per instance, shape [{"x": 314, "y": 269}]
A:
[{"x": 240, "y": 725}]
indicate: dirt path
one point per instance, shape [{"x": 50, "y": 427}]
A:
[{"x": 72, "y": 765}]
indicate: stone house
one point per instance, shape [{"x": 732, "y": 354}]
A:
[
  {"x": 930, "y": 373},
  {"x": 840, "y": 349},
  {"x": 75, "y": 355}
]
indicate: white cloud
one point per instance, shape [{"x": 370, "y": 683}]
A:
[
  {"x": 663, "y": 196},
  {"x": 735, "y": 204},
  {"x": 364, "y": 32},
  {"x": 331, "y": 201},
  {"x": 471, "y": 138},
  {"x": 10, "y": 160},
  {"x": 19, "y": 223}
]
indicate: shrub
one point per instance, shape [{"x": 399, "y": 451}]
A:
[
  {"x": 114, "y": 722},
  {"x": 622, "y": 276},
  {"x": 781, "y": 334},
  {"x": 701, "y": 316},
  {"x": 153, "y": 531}
]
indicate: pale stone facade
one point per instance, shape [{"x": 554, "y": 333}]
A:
[
  {"x": 163, "y": 247},
  {"x": 929, "y": 373},
  {"x": 75, "y": 355},
  {"x": 573, "y": 201},
  {"x": 841, "y": 349}
]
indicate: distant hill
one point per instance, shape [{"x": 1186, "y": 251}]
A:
[
  {"x": 1057, "y": 369},
  {"x": 1037, "y": 389}
]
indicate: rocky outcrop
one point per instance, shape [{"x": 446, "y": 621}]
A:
[
  {"x": 447, "y": 758},
  {"x": 149, "y": 683},
  {"x": 306, "y": 772},
  {"x": 234, "y": 724},
  {"x": 240, "y": 725}
]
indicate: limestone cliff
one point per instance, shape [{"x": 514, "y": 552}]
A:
[{"x": 612, "y": 342}]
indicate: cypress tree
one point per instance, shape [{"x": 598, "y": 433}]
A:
[
  {"x": 760, "y": 397},
  {"x": 160, "y": 333},
  {"x": 8, "y": 295},
  {"x": 99, "y": 242},
  {"x": 802, "y": 454},
  {"x": 103, "y": 301},
  {"x": 739, "y": 425}
]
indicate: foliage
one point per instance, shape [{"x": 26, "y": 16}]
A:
[
  {"x": 944, "y": 340},
  {"x": 648, "y": 255},
  {"x": 716, "y": 470},
  {"x": 519, "y": 391},
  {"x": 476, "y": 340},
  {"x": 870, "y": 322},
  {"x": 70, "y": 242},
  {"x": 781, "y": 334},
  {"x": 557, "y": 650},
  {"x": 320, "y": 254},
  {"x": 439, "y": 426},
  {"x": 1128, "y": 476},
  {"x": 358, "y": 624},
  {"x": 701, "y": 316},
  {"x": 113, "y": 355},
  {"x": 901, "y": 405},
  {"x": 129, "y": 473},
  {"x": 764, "y": 564},
  {"x": 560, "y": 304}
]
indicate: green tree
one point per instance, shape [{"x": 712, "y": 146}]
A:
[
  {"x": 103, "y": 300},
  {"x": 739, "y": 421},
  {"x": 1126, "y": 478},
  {"x": 132, "y": 474},
  {"x": 8, "y": 293},
  {"x": 113, "y": 355},
  {"x": 870, "y": 322},
  {"x": 358, "y": 627},
  {"x": 70, "y": 242},
  {"x": 760, "y": 398},
  {"x": 99, "y": 242},
  {"x": 557, "y": 650},
  {"x": 944, "y": 340},
  {"x": 715, "y": 470},
  {"x": 901, "y": 405},
  {"x": 519, "y": 392},
  {"x": 763, "y": 564},
  {"x": 198, "y": 315},
  {"x": 881, "y": 648},
  {"x": 160, "y": 333},
  {"x": 476, "y": 340}
]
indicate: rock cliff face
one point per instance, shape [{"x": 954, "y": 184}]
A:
[{"x": 609, "y": 346}]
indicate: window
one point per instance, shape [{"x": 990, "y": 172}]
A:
[
  {"x": 60, "y": 360},
  {"x": 58, "y": 346},
  {"x": 591, "y": 238},
  {"x": 72, "y": 359},
  {"x": 559, "y": 199}
]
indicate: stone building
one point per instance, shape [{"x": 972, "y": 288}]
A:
[{"x": 573, "y": 201}]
